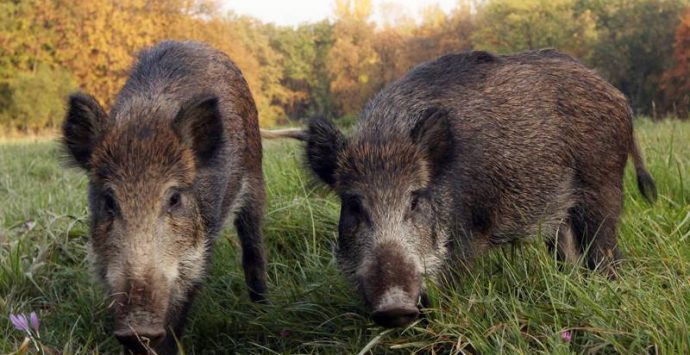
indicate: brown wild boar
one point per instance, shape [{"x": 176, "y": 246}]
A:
[
  {"x": 471, "y": 151},
  {"x": 179, "y": 152}
]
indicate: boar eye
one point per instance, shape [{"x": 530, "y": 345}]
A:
[
  {"x": 414, "y": 199},
  {"x": 110, "y": 204},
  {"x": 353, "y": 205},
  {"x": 356, "y": 213},
  {"x": 174, "y": 201},
  {"x": 414, "y": 202},
  {"x": 353, "y": 215}
]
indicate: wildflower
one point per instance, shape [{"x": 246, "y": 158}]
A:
[
  {"x": 20, "y": 322},
  {"x": 24, "y": 324},
  {"x": 35, "y": 321},
  {"x": 566, "y": 336}
]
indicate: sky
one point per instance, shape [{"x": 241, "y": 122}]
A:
[{"x": 294, "y": 12}]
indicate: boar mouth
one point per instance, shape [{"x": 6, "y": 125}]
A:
[
  {"x": 140, "y": 319},
  {"x": 393, "y": 316},
  {"x": 395, "y": 308},
  {"x": 140, "y": 339}
]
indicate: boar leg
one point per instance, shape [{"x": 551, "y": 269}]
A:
[
  {"x": 595, "y": 222},
  {"x": 566, "y": 244},
  {"x": 248, "y": 224}
]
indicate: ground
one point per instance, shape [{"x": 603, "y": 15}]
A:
[{"x": 517, "y": 299}]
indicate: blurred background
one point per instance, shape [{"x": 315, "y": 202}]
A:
[{"x": 304, "y": 58}]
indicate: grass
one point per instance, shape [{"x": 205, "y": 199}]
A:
[{"x": 518, "y": 300}]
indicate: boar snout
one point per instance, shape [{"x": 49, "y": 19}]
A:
[
  {"x": 139, "y": 331},
  {"x": 140, "y": 314},
  {"x": 139, "y": 340},
  {"x": 398, "y": 315},
  {"x": 391, "y": 282}
]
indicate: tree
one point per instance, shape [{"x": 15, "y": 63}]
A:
[
  {"x": 440, "y": 34},
  {"x": 37, "y": 98},
  {"x": 98, "y": 40},
  {"x": 26, "y": 36},
  {"x": 332, "y": 68},
  {"x": 269, "y": 92},
  {"x": 676, "y": 81},
  {"x": 507, "y": 26},
  {"x": 304, "y": 53},
  {"x": 352, "y": 59},
  {"x": 390, "y": 45},
  {"x": 32, "y": 85},
  {"x": 635, "y": 46}
]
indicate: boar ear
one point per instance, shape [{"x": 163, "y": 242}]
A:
[
  {"x": 199, "y": 125},
  {"x": 82, "y": 127},
  {"x": 324, "y": 142},
  {"x": 434, "y": 136}
]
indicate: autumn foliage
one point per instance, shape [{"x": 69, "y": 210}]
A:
[
  {"x": 331, "y": 68},
  {"x": 677, "y": 80}
]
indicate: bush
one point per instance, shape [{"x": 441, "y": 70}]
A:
[{"x": 36, "y": 100}]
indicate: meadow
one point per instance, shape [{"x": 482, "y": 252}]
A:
[{"x": 518, "y": 299}]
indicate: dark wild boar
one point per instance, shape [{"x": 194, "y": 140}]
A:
[
  {"x": 471, "y": 151},
  {"x": 179, "y": 152}
]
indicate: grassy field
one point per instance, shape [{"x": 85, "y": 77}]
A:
[{"x": 518, "y": 300}]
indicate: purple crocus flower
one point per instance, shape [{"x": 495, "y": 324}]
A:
[
  {"x": 566, "y": 336},
  {"x": 20, "y": 322},
  {"x": 35, "y": 321}
]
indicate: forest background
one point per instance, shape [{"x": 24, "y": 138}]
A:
[{"x": 49, "y": 48}]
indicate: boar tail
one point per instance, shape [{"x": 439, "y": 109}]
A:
[
  {"x": 645, "y": 182},
  {"x": 294, "y": 133}
]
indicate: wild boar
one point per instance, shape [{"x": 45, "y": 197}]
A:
[
  {"x": 179, "y": 152},
  {"x": 471, "y": 151}
]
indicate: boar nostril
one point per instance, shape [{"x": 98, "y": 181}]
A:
[
  {"x": 395, "y": 316},
  {"x": 139, "y": 340}
]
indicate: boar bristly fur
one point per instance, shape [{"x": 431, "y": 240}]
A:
[
  {"x": 178, "y": 152},
  {"x": 471, "y": 151}
]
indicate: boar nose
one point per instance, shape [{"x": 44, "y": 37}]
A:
[
  {"x": 391, "y": 284},
  {"x": 393, "y": 316},
  {"x": 139, "y": 340}
]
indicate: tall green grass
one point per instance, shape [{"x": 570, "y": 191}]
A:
[{"x": 517, "y": 299}]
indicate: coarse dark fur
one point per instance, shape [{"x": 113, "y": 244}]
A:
[
  {"x": 471, "y": 151},
  {"x": 179, "y": 152}
]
